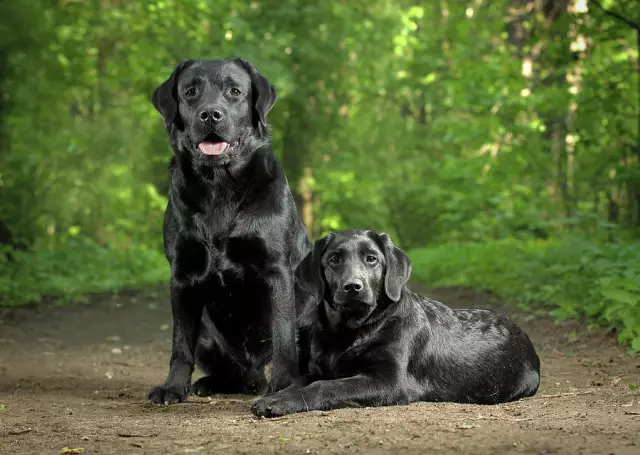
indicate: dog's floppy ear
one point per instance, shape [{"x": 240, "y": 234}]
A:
[
  {"x": 398, "y": 267},
  {"x": 165, "y": 97},
  {"x": 264, "y": 94},
  {"x": 309, "y": 273}
]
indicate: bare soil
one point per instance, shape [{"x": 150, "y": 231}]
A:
[{"x": 76, "y": 377}]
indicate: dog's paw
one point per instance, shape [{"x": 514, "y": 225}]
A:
[
  {"x": 277, "y": 405},
  {"x": 168, "y": 395},
  {"x": 205, "y": 387}
]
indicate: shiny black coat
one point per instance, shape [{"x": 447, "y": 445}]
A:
[
  {"x": 232, "y": 235},
  {"x": 388, "y": 345}
]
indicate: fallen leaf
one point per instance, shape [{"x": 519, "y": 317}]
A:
[
  {"x": 133, "y": 435},
  {"x": 69, "y": 450},
  {"x": 467, "y": 426}
]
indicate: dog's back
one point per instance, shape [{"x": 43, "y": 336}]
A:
[{"x": 474, "y": 355}]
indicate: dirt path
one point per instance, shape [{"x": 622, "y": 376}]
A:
[{"x": 77, "y": 377}]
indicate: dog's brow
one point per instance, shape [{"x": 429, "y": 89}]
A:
[
  {"x": 338, "y": 249},
  {"x": 231, "y": 80},
  {"x": 191, "y": 81},
  {"x": 368, "y": 246}
]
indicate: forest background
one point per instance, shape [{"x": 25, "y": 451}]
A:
[{"x": 498, "y": 141}]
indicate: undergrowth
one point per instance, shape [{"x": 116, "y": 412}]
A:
[
  {"x": 72, "y": 271},
  {"x": 571, "y": 278}
]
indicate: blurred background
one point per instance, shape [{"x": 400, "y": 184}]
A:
[{"x": 496, "y": 140}]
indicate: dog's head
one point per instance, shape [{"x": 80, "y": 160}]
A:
[
  {"x": 354, "y": 271},
  {"x": 215, "y": 109}
]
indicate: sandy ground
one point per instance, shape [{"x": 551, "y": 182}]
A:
[{"x": 77, "y": 377}]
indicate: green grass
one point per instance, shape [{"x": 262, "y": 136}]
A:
[
  {"x": 571, "y": 278},
  {"x": 71, "y": 272}
]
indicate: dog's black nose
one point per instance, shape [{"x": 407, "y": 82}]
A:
[
  {"x": 215, "y": 116},
  {"x": 353, "y": 285}
]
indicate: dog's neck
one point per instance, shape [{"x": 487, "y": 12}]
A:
[
  {"x": 217, "y": 191},
  {"x": 334, "y": 320},
  {"x": 336, "y": 334}
]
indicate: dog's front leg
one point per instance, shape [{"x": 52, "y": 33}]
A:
[
  {"x": 283, "y": 329},
  {"x": 186, "y": 304},
  {"x": 356, "y": 391}
]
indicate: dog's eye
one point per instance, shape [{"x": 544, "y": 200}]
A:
[
  {"x": 371, "y": 259},
  {"x": 334, "y": 260},
  {"x": 190, "y": 92},
  {"x": 235, "y": 91}
]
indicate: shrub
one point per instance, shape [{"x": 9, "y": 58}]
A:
[
  {"x": 570, "y": 278},
  {"x": 73, "y": 270}
]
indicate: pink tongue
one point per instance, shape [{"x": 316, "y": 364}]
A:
[{"x": 212, "y": 148}]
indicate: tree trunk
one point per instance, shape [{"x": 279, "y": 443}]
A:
[
  {"x": 613, "y": 214},
  {"x": 307, "y": 199},
  {"x": 548, "y": 13},
  {"x": 637, "y": 147},
  {"x": 296, "y": 149},
  {"x": 539, "y": 68},
  {"x": 635, "y": 25}
]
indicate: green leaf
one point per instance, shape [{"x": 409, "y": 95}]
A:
[{"x": 620, "y": 295}]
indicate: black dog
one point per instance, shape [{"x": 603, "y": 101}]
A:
[
  {"x": 232, "y": 234},
  {"x": 370, "y": 341}
]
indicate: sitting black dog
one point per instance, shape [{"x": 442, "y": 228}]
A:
[
  {"x": 370, "y": 341},
  {"x": 232, "y": 234}
]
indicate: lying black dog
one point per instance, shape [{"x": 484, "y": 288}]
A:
[
  {"x": 232, "y": 234},
  {"x": 370, "y": 341}
]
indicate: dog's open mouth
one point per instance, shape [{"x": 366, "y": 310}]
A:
[
  {"x": 213, "y": 148},
  {"x": 216, "y": 148}
]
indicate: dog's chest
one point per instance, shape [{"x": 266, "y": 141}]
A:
[
  {"x": 220, "y": 258},
  {"x": 329, "y": 360},
  {"x": 210, "y": 225}
]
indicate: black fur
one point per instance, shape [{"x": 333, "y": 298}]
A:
[
  {"x": 367, "y": 340},
  {"x": 232, "y": 234}
]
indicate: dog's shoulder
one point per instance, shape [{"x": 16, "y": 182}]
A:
[
  {"x": 426, "y": 309},
  {"x": 482, "y": 317}
]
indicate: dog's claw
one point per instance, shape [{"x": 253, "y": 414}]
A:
[
  {"x": 276, "y": 405},
  {"x": 205, "y": 387},
  {"x": 168, "y": 395}
]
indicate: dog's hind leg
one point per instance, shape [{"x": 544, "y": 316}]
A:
[{"x": 223, "y": 374}]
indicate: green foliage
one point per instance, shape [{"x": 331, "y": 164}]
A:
[
  {"x": 415, "y": 119},
  {"x": 573, "y": 277},
  {"x": 69, "y": 272}
]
